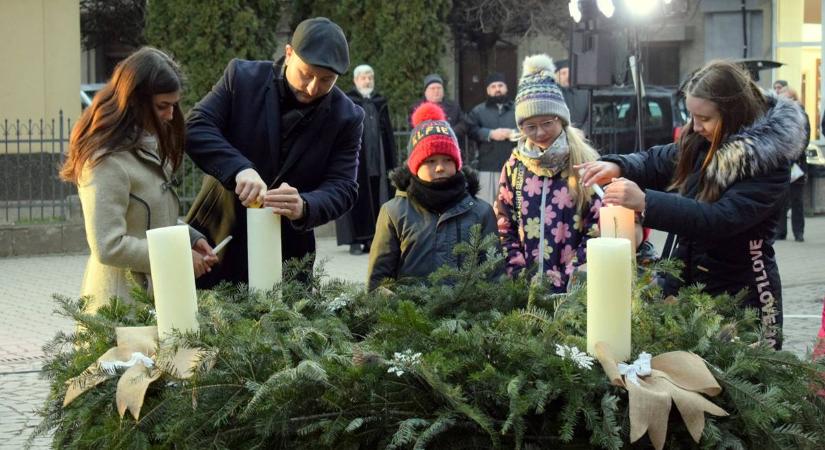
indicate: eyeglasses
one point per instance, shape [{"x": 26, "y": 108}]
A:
[{"x": 546, "y": 126}]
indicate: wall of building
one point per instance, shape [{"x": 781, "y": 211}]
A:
[
  {"x": 799, "y": 47},
  {"x": 40, "y": 54}
]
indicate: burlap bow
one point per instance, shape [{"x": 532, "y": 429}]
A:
[
  {"x": 678, "y": 376},
  {"x": 137, "y": 351}
]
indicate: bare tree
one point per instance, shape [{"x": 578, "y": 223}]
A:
[{"x": 483, "y": 23}]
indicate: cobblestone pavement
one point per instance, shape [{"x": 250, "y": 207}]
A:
[{"x": 27, "y": 285}]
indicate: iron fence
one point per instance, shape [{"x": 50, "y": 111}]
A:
[{"x": 31, "y": 152}]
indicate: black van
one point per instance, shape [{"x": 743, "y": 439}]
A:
[{"x": 614, "y": 118}]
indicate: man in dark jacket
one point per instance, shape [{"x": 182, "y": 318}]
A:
[
  {"x": 434, "y": 92},
  {"x": 576, "y": 99},
  {"x": 282, "y": 135},
  {"x": 794, "y": 200},
  {"x": 377, "y": 158},
  {"x": 492, "y": 123}
]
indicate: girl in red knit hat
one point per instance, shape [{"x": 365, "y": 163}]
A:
[{"x": 434, "y": 205}]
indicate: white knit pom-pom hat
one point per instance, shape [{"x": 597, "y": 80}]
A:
[{"x": 538, "y": 94}]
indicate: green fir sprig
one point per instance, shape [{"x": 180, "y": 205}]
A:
[{"x": 467, "y": 359}]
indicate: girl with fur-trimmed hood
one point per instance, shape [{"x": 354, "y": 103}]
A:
[
  {"x": 434, "y": 205},
  {"x": 545, "y": 217},
  {"x": 718, "y": 188}
]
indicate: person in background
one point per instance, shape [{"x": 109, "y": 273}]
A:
[
  {"x": 434, "y": 207},
  {"x": 545, "y": 215},
  {"x": 123, "y": 153},
  {"x": 778, "y": 85},
  {"x": 377, "y": 157},
  {"x": 799, "y": 174},
  {"x": 434, "y": 92},
  {"x": 576, "y": 99},
  {"x": 718, "y": 188},
  {"x": 492, "y": 124}
]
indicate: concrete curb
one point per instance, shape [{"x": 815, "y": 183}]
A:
[
  {"x": 25, "y": 240},
  {"x": 67, "y": 237}
]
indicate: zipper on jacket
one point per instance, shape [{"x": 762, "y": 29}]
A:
[{"x": 541, "y": 230}]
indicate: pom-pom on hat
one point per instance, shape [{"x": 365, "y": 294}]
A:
[
  {"x": 430, "y": 136},
  {"x": 538, "y": 94}
]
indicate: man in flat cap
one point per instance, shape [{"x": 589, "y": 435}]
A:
[
  {"x": 492, "y": 123},
  {"x": 281, "y": 135}
]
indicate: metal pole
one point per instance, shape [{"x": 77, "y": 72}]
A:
[
  {"x": 590, "y": 111},
  {"x": 821, "y": 75},
  {"x": 744, "y": 30},
  {"x": 637, "y": 82}
]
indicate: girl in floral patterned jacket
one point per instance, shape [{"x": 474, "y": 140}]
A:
[{"x": 543, "y": 213}]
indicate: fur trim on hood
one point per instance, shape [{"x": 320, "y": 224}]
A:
[
  {"x": 400, "y": 178},
  {"x": 774, "y": 139}
]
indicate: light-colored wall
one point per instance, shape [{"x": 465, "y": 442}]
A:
[
  {"x": 40, "y": 58},
  {"x": 799, "y": 46}
]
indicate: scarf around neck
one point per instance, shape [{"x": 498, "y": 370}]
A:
[
  {"x": 438, "y": 196},
  {"x": 545, "y": 162}
]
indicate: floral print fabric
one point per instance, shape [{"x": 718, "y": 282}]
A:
[{"x": 519, "y": 215}]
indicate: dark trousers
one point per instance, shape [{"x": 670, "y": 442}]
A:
[{"x": 793, "y": 201}]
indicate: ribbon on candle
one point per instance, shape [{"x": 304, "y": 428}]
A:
[
  {"x": 137, "y": 352},
  {"x": 639, "y": 368},
  {"x": 674, "y": 377}
]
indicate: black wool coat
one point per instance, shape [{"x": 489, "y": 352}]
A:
[
  {"x": 727, "y": 245},
  {"x": 238, "y": 125},
  {"x": 358, "y": 224},
  {"x": 482, "y": 119}
]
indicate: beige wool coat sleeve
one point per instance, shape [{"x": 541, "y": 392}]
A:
[
  {"x": 125, "y": 194},
  {"x": 105, "y": 200}
]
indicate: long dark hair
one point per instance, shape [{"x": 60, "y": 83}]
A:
[
  {"x": 123, "y": 108},
  {"x": 739, "y": 101}
]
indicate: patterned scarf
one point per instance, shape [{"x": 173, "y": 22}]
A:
[{"x": 547, "y": 162}]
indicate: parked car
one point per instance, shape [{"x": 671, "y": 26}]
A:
[
  {"x": 87, "y": 93},
  {"x": 613, "y": 113},
  {"x": 814, "y": 155}
]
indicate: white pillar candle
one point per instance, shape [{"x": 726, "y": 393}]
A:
[
  {"x": 263, "y": 229},
  {"x": 608, "y": 295},
  {"x": 173, "y": 279},
  {"x": 618, "y": 222}
]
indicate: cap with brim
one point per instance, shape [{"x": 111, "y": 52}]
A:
[{"x": 320, "y": 42}]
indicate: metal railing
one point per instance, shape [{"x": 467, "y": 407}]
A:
[{"x": 31, "y": 153}]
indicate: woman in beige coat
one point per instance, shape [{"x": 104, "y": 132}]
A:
[{"x": 123, "y": 154}]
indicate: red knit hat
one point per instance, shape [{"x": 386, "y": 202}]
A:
[{"x": 432, "y": 135}]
